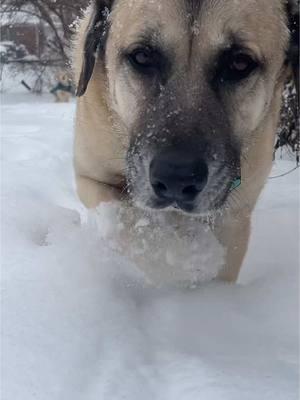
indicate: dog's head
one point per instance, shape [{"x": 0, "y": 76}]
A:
[
  {"x": 190, "y": 82},
  {"x": 63, "y": 78}
]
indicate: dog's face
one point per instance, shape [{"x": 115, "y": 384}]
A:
[
  {"x": 63, "y": 78},
  {"x": 190, "y": 82}
]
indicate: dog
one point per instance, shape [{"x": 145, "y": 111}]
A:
[
  {"x": 178, "y": 106},
  {"x": 63, "y": 90}
]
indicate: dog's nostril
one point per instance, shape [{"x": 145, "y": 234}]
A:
[
  {"x": 159, "y": 188},
  {"x": 190, "y": 191}
]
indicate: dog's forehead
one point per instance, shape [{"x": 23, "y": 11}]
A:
[{"x": 212, "y": 21}]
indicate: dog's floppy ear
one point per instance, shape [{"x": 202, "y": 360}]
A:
[
  {"x": 293, "y": 53},
  {"x": 94, "y": 41}
]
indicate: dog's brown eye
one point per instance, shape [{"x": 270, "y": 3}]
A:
[
  {"x": 240, "y": 63},
  {"x": 234, "y": 67},
  {"x": 144, "y": 59}
]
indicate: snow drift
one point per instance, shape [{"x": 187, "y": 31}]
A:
[{"x": 81, "y": 321}]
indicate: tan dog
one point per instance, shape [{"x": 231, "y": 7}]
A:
[
  {"x": 63, "y": 90},
  {"x": 178, "y": 100}
]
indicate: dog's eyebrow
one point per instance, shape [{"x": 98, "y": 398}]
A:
[
  {"x": 243, "y": 41},
  {"x": 148, "y": 37}
]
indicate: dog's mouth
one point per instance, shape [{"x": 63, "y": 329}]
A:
[
  {"x": 213, "y": 199},
  {"x": 191, "y": 207},
  {"x": 159, "y": 204}
]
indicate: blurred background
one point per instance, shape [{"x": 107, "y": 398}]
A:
[{"x": 35, "y": 41}]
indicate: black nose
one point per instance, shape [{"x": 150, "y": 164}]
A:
[{"x": 178, "y": 175}]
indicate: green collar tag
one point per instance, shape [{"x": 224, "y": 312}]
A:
[{"x": 236, "y": 183}]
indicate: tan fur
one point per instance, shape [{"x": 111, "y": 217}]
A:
[
  {"x": 107, "y": 109},
  {"x": 62, "y": 96}
]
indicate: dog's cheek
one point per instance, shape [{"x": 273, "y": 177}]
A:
[
  {"x": 249, "y": 111},
  {"x": 124, "y": 101}
]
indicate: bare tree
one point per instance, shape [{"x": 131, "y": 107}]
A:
[
  {"x": 57, "y": 15},
  {"x": 288, "y": 133}
]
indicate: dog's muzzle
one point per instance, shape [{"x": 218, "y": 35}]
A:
[{"x": 177, "y": 177}]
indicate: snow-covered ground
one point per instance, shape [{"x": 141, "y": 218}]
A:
[{"x": 80, "y": 323}]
